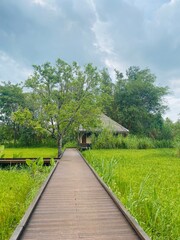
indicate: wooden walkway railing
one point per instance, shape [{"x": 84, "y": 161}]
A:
[{"x": 77, "y": 205}]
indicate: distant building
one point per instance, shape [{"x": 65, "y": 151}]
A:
[{"x": 106, "y": 123}]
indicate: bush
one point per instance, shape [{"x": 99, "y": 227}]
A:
[
  {"x": 178, "y": 148},
  {"x": 163, "y": 143},
  {"x": 104, "y": 140},
  {"x": 107, "y": 140},
  {"x": 1, "y": 151},
  {"x": 72, "y": 144},
  {"x": 130, "y": 142},
  {"x": 145, "y": 143}
]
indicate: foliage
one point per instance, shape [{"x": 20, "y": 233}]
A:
[
  {"x": 11, "y": 97},
  {"x": 30, "y": 130},
  {"x": 147, "y": 183},
  {"x": 1, "y": 151},
  {"x": 104, "y": 140},
  {"x": 139, "y": 102},
  {"x": 37, "y": 165},
  {"x": 72, "y": 144},
  {"x": 106, "y": 92},
  {"x": 52, "y": 162},
  {"x": 178, "y": 149},
  {"x": 18, "y": 188},
  {"x": 108, "y": 140},
  {"x": 65, "y": 97}
]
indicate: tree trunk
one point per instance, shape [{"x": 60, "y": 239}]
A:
[{"x": 59, "y": 146}]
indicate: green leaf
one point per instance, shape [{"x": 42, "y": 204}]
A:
[
  {"x": 40, "y": 161},
  {"x": 52, "y": 162},
  {"x": 29, "y": 162}
]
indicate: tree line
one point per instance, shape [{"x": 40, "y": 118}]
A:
[{"x": 56, "y": 99}]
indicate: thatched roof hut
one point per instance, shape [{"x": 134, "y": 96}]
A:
[
  {"x": 110, "y": 124},
  {"x": 106, "y": 123}
]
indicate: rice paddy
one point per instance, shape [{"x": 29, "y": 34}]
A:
[
  {"x": 147, "y": 182},
  {"x": 18, "y": 187},
  {"x": 30, "y": 152}
]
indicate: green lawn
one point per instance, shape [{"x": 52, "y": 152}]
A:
[
  {"x": 18, "y": 187},
  {"x": 30, "y": 152},
  {"x": 147, "y": 182}
]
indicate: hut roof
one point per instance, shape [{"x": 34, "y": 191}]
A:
[{"x": 107, "y": 122}]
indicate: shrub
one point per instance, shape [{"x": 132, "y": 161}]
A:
[
  {"x": 1, "y": 151},
  {"x": 71, "y": 144},
  {"x": 145, "y": 143},
  {"x": 107, "y": 140},
  {"x": 104, "y": 140},
  {"x": 163, "y": 143},
  {"x": 178, "y": 148}
]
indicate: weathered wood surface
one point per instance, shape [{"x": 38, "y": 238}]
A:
[{"x": 74, "y": 205}]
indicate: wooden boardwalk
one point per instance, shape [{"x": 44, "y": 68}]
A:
[{"x": 74, "y": 205}]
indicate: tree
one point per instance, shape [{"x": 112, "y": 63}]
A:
[
  {"x": 106, "y": 92},
  {"x": 65, "y": 97},
  {"x": 138, "y": 101},
  {"x": 11, "y": 98}
]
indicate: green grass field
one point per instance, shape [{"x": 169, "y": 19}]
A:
[
  {"x": 147, "y": 182},
  {"x": 17, "y": 189},
  {"x": 30, "y": 152}
]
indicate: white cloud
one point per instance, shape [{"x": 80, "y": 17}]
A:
[
  {"x": 11, "y": 70},
  {"x": 113, "y": 34},
  {"x": 103, "y": 42},
  {"x": 174, "y": 110},
  {"x": 172, "y": 1},
  {"x": 175, "y": 86},
  {"x": 45, "y": 4},
  {"x": 113, "y": 64},
  {"x": 40, "y": 2}
]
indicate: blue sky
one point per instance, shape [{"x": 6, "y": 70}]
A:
[{"x": 113, "y": 34}]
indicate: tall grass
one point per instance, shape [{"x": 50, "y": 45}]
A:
[
  {"x": 147, "y": 182},
  {"x": 17, "y": 189},
  {"x": 106, "y": 140}
]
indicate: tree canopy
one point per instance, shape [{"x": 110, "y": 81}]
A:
[
  {"x": 11, "y": 97},
  {"x": 65, "y": 96},
  {"x": 58, "y": 98},
  {"x": 138, "y": 101}
]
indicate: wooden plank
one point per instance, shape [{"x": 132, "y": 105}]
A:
[
  {"x": 18, "y": 231},
  {"x": 121, "y": 207},
  {"x": 76, "y": 205}
]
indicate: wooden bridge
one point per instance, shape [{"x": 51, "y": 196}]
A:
[{"x": 76, "y": 204}]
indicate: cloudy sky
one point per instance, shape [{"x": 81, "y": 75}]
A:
[{"x": 113, "y": 34}]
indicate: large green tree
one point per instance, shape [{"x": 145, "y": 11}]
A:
[
  {"x": 139, "y": 101},
  {"x": 106, "y": 92},
  {"x": 65, "y": 96},
  {"x": 11, "y": 98}
]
